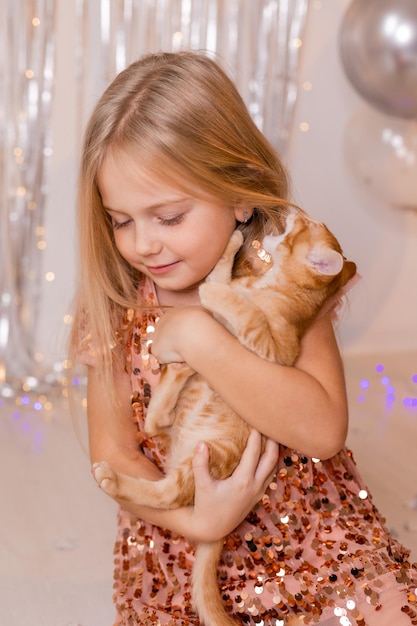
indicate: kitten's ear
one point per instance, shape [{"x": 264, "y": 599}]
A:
[{"x": 325, "y": 261}]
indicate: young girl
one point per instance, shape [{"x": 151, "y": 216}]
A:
[{"x": 172, "y": 163}]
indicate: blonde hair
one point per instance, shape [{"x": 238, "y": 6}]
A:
[{"x": 178, "y": 114}]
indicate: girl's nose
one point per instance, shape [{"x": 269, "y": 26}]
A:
[{"x": 146, "y": 242}]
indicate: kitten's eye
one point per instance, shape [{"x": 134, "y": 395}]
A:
[{"x": 171, "y": 221}]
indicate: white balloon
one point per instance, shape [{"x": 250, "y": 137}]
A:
[{"x": 381, "y": 152}]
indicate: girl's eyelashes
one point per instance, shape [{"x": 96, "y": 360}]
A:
[
  {"x": 164, "y": 221},
  {"x": 171, "y": 221},
  {"x": 118, "y": 225}
]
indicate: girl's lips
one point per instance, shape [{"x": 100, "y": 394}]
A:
[{"x": 162, "y": 269}]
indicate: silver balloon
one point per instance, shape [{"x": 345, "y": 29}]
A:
[
  {"x": 378, "y": 45},
  {"x": 381, "y": 152}
]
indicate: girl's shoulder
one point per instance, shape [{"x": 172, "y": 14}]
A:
[{"x": 147, "y": 299}]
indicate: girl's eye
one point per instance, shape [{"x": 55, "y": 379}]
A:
[
  {"x": 171, "y": 221},
  {"x": 119, "y": 225}
]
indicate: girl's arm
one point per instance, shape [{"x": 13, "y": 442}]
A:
[
  {"x": 303, "y": 407},
  {"x": 219, "y": 505}
]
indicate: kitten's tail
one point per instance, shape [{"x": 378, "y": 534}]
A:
[{"x": 206, "y": 594}]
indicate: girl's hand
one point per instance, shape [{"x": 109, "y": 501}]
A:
[
  {"x": 220, "y": 505},
  {"x": 174, "y": 329}
]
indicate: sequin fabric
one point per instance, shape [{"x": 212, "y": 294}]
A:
[{"x": 314, "y": 547}]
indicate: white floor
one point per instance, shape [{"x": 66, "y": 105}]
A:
[
  {"x": 57, "y": 528},
  {"x": 383, "y": 436}
]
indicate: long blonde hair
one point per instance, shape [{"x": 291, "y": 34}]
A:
[{"x": 180, "y": 115}]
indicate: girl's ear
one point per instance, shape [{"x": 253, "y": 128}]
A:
[{"x": 243, "y": 214}]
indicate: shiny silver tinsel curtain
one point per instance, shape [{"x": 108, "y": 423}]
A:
[
  {"x": 257, "y": 41},
  {"x": 26, "y": 77}
]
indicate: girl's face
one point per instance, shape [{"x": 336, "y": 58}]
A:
[{"x": 173, "y": 236}]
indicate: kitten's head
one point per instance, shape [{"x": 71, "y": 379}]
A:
[{"x": 308, "y": 254}]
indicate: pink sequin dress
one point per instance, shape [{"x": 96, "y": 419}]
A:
[{"x": 314, "y": 546}]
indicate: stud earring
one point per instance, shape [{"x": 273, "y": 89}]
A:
[{"x": 245, "y": 216}]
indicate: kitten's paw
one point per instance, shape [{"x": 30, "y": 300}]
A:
[
  {"x": 211, "y": 293},
  {"x": 106, "y": 478},
  {"x": 157, "y": 422},
  {"x": 222, "y": 272},
  {"x": 235, "y": 241},
  {"x": 152, "y": 427}
]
